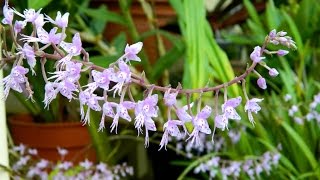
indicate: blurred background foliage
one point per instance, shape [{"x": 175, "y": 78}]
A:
[{"x": 201, "y": 43}]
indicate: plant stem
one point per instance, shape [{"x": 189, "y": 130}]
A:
[{"x": 124, "y": 5}]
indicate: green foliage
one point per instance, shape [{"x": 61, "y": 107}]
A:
[
  {"x": 205, "y": 60},
  {"x": 298, "y": 77},
  {"x": 37, "y": 4}
]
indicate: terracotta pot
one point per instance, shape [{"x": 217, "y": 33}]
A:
[
  {"x": 47, "y": 137},
  {"x": 164, "y": 14}
]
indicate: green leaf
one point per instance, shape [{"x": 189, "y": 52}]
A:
[
  {"x": 103, "y": 61},
  {"x": 174, "y": 39},
  {"x": 119, "y": 42},
  {"x": 273, "y": 16},
  {"x": 103, "y": 14},
  {"x": 241, "y": 40},
  {"x": 252, "y": 13},
  {"x": 301, "y": 144},
  {"x": 37, "y": 4},
  {"x": 99, "y": 139},
  {"x": 180, "y": 163},
  {"x": 166, "y": 61},
  {"x": 288, "y": 165},
  {"x": 294, "y": 29},
  {"x": 194, "y": 164}
]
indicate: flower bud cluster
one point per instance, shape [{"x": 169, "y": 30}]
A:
[
  {"x": 312, "y": 114},
  {"x": 28, "y": 165},
  {"x": 252, "y": 167}
]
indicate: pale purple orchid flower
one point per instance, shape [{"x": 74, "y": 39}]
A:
[
  {"x": 21, "y": 148},
  {"x": 228, "y": 108},
  {"x": 252, "y": 106},
  {"x": 200, "y": 124},
  {"x": 44, "y": 37},
  {"x": 39, "y": 22},
  {"x": 273, "y": 72},
  {"x": 50, "y": 93},
  {"x": 64, "y": 166},
  {"x": 170, "y": 99},
  {"x": 15, "y": 80},
  {"x": 8, "y": 14},
  {"x": 18, "y": 26},
  {"x": 86, "y": 164},
  {"x": 107, "y": 110},
  {"x": 272, "y": 34},
  {"x": 71, "y": 73},
  {"x": 255, "y": 55},
  {"x": 33, "y": 152},
  {"x": 121, "y": 111},
  {"x": 121, "y": 77},
  {"x": 21, "y": 163},
  {"x": 87, "y": 97},
  {"x": 183, "y": 115},
  {"x": 60, "y": 21},
  {"x": 30, "y": 15},
  {"x": 221, "y": 122},
  {"x": 67, "y": 89},
  {"x": 262, "y": 83},
  {"x": 62, "y": 151},
  {"x": 103, "y": 78},
  {"x": 73, "y": 49},
  {"x": 282, "y": 52},
  {"x": 28, "y": 53},
  {"x": 170, "y": 128},
  {"x": 146, "y": 110},
  {"x": 43, "y": 163},
  {"x": 131, "y": 52}
]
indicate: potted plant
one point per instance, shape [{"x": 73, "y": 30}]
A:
[
  {"x": 71, "y": 62},
  {"x": 46, "y": 128}
]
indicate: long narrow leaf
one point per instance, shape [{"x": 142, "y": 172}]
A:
[{"x": 300, "y": 142}]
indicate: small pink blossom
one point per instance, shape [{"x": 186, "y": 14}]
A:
[
  {"x": 273, "y": 72},
  {"x": 107, "y": 110},
  {"x": 15, "y": 80},
  {"x": 255, "y": 55},
  {"x": 252, "y": 106},
  {"x": 87, "y": 97},
  {"x": 282, "y": 52},
  {"x": 39, "y": 22},
  {"x": 146, "y": 110},
  {"x": 228, "y": 108},
  {"x": 8, "y": 14},
  {"x": 62, "y": 152},
  {"x": 18, "y": 26},
  {"x": 50, "y": 93},
  {"x": 131, "y": 51},
  {"x": 103, "y": 78},
  {"x": 200, "y": 125},
  {"x": 170, "y": 128},
  {"x": 221, "y": 122},
  {"x": 262, "y": 83},
  {"x": 60, "y": 21},
  {"x": 183, "y": 115},
  {"x": 121, "y": 111},
  {"x": 30, "y": 15},
  {"x": 170, "y": 99},
  {"x": 28, "y": 53},
  {"x": 121, "y": 77},
  {"x": 44, "y": 37}
]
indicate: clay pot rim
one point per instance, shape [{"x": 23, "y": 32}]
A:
[{"x": 27, "y": 120}]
